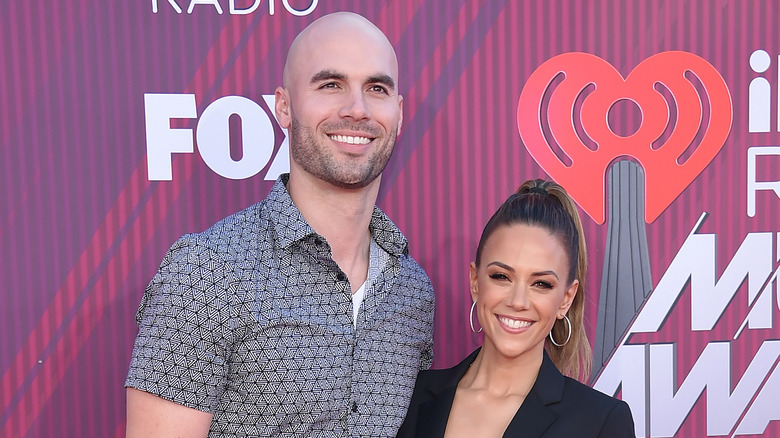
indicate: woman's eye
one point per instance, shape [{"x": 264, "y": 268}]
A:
[
  {"x": 544, "y": 284},
  {"x": 498, "y": 276}
]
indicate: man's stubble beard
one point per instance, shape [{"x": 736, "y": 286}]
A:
[{"x": 346, "y": 172}]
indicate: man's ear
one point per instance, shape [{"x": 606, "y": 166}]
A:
[
  {"x": 401, "y": 114},
  {"x": 282, "y": 107}
]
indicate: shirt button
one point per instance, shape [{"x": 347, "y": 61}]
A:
[{"x": 354, "y": 406}]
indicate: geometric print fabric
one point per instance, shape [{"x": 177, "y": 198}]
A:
[{"x": 251, "y": 320}]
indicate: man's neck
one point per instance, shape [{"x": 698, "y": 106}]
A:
[{"x": 342, "y": 216}]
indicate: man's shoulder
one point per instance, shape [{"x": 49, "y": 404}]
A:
[
  {"x": 240, "y": 222},
  {"x": 412, "y": 271},
  {"x": 252, "y": 219},
  {"x": 387, "y": 235},
  {"x": 228, "y": 238}
]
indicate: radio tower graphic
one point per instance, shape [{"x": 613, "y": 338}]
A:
[
  {"x": 563, "y": 116},
  {"x": 625, "y": 281}
]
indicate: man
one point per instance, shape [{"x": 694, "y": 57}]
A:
[{"x": 302, "y": 315}]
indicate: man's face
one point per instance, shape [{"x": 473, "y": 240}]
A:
[{"x": 343, "y": 108}]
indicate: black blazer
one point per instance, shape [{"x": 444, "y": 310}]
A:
[{"x": 556, "y": 407}]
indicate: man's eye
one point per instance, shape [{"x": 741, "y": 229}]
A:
[
  {"x": 378, "y": 89},
  {"x": 329, "y": 85}
]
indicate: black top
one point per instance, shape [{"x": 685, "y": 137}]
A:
[{"x": 556, "y": 407}]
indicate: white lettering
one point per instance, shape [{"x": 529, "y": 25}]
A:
[
  {"x": 161, "y": 140},
  {"x": 760, "y": 315},
  {"x": 670, "y": 405},
  {"x": 709, "y": 299},
  {"x": 249, "y": 10},
  {"x": 696, "y": 261},
  {"x": 234, "y": 9},
  {"x": 299, "y": 12},
  {"x": 723, "y": 405},
  {"x": 759, "y": 94},
  {"x": 752, "y": 185},
  {"x": 627, "y": 372},
  {"x": 645, "y": 374},
  {"x": 668, "y": 408},
  {"x": 712, "y": 371},
  {"x": 215, "y": 3},
  {"x": 173, "y": 4},
  {"x": 214, "y": 137},
  {"x": 764, "y": 408}
]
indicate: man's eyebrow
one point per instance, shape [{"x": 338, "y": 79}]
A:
[
  {"x": 382, "y": 79},
  {"x": 325, "y": 75}
]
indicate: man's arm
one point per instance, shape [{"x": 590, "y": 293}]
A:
[{"x": 149, "y": 415}]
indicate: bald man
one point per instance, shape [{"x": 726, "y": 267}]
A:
[{"x": 303, "y": 315}]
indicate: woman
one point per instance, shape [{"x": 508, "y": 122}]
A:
[{"x": 527, "y": 289}]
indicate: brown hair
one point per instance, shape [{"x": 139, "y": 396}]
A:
[{"x": 547, "y": 205}]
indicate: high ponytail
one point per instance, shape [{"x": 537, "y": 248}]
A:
[{"x": 546, "y": 204}]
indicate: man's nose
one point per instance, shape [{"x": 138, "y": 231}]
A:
[{"x": 355, "y": 105}]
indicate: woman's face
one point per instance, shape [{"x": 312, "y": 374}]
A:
[{"x": 521, "y": 289}]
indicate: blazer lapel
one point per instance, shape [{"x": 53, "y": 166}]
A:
[
  {"x": 434, "y": 414},
  {"x": 532, "y": 419},
  {"x": 535, "y": 415}
]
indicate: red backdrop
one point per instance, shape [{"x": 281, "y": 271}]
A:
[{"x": 651, "y": 113}]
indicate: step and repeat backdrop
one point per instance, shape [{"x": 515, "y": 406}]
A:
[{"x": 126, "y": 124}]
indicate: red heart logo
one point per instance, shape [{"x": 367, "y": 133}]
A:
[{"x": 686, "y": 115}]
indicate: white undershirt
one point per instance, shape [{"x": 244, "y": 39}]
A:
[
  {"x": 357, "y": 300},
  {"x": 377, "y": 259}
]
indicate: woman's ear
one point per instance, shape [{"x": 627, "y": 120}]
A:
[
  {"x": 473, "y": 281},
  {"x": 568, "y": 297}
]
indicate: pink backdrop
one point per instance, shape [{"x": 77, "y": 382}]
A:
[{"x": 98, "y": 100}]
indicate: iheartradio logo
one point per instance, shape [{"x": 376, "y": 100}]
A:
[
  {"x": 569, "y": 117},
  {"x": 685, "y": 116}
]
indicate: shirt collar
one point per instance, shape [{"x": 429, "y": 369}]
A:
[{"x": 291, "y": 227}]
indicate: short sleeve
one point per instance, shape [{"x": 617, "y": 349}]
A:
[{"x": 184, "y": 328}]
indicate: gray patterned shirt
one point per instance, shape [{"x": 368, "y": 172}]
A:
[{"x": 252, "y": 320}]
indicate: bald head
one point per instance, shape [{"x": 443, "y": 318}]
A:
[
  {"x": 340, "y": 102},
  {"x": 340, "y": 29}
]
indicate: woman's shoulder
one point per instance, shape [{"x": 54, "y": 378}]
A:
[
  {"x": 579, "y": 406},
  {"x": 583, "y": 393},
  {"x": 553, "y": 387},
  {"x": 611, "y": 414}
]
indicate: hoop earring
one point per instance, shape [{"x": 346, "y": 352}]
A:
[
  {"x": 568, "y": 322},
  {"x": 471, "y": 318}
]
